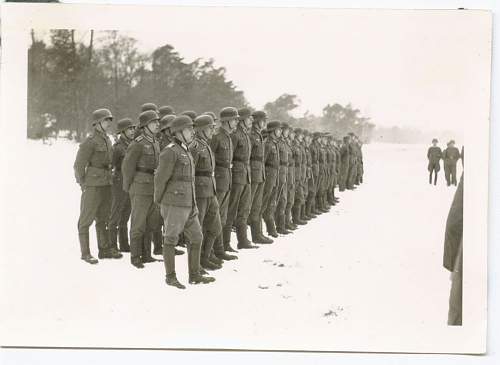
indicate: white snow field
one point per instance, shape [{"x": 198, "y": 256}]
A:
[{"x": 368, "y": 272}]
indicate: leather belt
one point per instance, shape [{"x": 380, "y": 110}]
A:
[
  {"x": 204, "y": 173},
  {"x": 274, "y": 166},
  {"x": 238, "y": 159},
  {"x": 226, "y": 165},
  {"x": 103, "y": 167},
  {"x": 146, "y": 170}
]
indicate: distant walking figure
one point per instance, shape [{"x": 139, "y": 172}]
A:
[
  {"x": 434, "y": 155},
  {"x": 451, "y": 155}
]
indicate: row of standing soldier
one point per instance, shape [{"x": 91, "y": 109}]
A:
[{"x": 198, "y": 183}]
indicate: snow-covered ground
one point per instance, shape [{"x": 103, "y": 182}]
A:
[{"x": 369, "y": 271}]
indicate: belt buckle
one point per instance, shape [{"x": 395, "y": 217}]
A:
[{"x": 231, "y": 165}]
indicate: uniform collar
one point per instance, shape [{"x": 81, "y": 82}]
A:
[{"x": 180, "y": 143}]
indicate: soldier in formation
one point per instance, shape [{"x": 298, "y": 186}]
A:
[{"x": 192, "y": 179}]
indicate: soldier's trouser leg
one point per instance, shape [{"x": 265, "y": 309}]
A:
[
  {"x": 223, "y": 200},
  {"x": 290, "y": 200},
  {"x": 153, "y": 230},
  {"x": 297, "y": 202},
  {"x": 238, "y": 211},
  {"x": 118, "y": 205},
  {"x": 141, "y": 205},
  {"x": 102, "y": 219},
  {"x": 177, "y": 220},
  {"x": 211, "y": 226},
  {"x": 447, "y": 174},
  {"x": 280, "y": 209},
  {"x": 269, "y": 206},
  {"x": 123, "y": 226},
  {"x": 453, "y": 172},
  {"x": 255, "y": 217},
  {"x": 89, "y": 204}
]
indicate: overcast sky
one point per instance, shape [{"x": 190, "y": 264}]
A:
[{"x": 419, "y": 69}]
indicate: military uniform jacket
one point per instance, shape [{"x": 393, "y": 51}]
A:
[
  {"x": 330, "y": 153},
  {"x": 93, "y": 161},
  {"x": 222, "y": 148},
  {"x": 298, "y": 160},
  {"x": 309, "y": 164},
  {"x": 257, "y": 157},
  {"x": 291, "y": 163},
  {"x": 242, "y": 148},
  {"x": 204, "y": 163},
  {"x": 174, "y": 178},
  {"x": 139, "y": 165},
  {"x": 119, "y": 150},
  {"x": 451, "y": 155},
  {"x": 322, "y": 159},
  {"x": 338, "y": 163},
  {"x": 271, "y": 161},
  {"x": 344, "y": 155},
  {"x": 314, "y": 159},
  {"x": 434, "y": 154},
  {"x": 283, "y": 169}
]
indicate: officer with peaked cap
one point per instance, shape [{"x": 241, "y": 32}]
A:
[
  {"x": 120, "y": 206},
  {"x": 241, "y": 190},
  {"x": 272, "y": 164},
  {"x": 165, "y": 110},
  {"x": 222, "y": 147},
  {"x": 92, "y": 169},
  {"x": 138, "y": 168},
  {"x": 258, "y": 177},
  {"x": 174, "y": 191},
  {"x": 206, "y": 195}
]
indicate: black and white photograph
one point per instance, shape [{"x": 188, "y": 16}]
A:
[{"x": 245, "y": 178}]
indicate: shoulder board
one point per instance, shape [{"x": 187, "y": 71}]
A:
[
  {"x": 170, "y": 145},
  {"x": 139, "y": 138}
]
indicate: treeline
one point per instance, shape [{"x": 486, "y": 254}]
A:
[{"x": 71, "y": 74}]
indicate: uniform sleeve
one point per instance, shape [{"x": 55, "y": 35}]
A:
[
  {"x": 82, "y": 160},
  {"x": 235, "y": 138},
  {"x": 267, "y": 151},
  {"x": 163, "y": 173},
  {"x": 214, "y": 143},
  {"x": 195, "y": 152},
  {"x": 118, "y": 154},
  {"x": 129, "y": 164}
]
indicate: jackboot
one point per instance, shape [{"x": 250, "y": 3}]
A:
[
  {"x": 226, "y": 238},
  {"x": 169, "y": 263},
  {"x": 146, "y": 248},
  {"x": 135, "y": 252},
  {"x": 194, "y": 267},
  {"x": 220, "y": 253},
  {"x": 271, "y": 229},
  {"x": 112, "y": 237},
  {"x": 157, "y": 243},
  {"x": 85, "y": 249},
  {"x": 260, "y": 236},
  {"x": 215, "y": 259},
  {"x": 123, "y": 239},
  {"x": 105, "y": 250},
  {"x": 241, "y": 234},
  {"x": 254, "y": 231}
]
